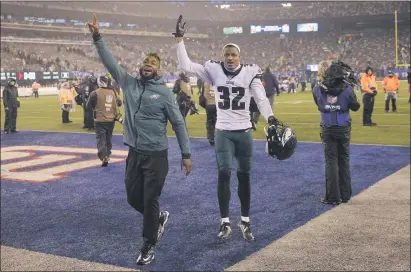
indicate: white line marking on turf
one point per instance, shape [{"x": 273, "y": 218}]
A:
[{"x": 309, "y": 142}]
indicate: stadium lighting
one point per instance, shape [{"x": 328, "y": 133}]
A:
[
  {"x": 224, "y": 6},
  {"x": 286, "y": 5}
]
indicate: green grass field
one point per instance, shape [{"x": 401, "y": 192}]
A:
[{"x": 296, "y": 110}]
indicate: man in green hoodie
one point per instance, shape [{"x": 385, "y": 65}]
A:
[{"x": 148, "y": 105}]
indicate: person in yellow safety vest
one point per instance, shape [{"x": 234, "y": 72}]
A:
[
  {"x": 391, "y": 86},
  {"x": 67, "y": 101},
  {"x": 369, "y": 90},
  {"x": 35, "y": 87}
]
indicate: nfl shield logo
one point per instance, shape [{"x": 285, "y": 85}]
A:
[
  {"x": 109, "y": 98},
  {"x": 331, "y": 99}
]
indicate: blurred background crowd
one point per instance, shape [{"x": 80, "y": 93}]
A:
[{"x": 51, "y": 36}]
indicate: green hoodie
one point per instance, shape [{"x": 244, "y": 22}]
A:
[{"x": 148, "y": 105}]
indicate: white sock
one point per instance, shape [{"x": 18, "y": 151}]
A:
[
  {"x": 245, "y": 219},
  {"x": 225, "y": 220}
]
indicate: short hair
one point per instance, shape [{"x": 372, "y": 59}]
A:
[
  {"x": 153, "y": 54},
  {"x": 233, "y": 45}
]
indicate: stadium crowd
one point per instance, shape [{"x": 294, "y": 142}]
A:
[
  {"x": 292, "y": 53},
  {"x": 229, "y": 13}
]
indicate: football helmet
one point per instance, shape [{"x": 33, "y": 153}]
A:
[{"x": 281, "y": 141}]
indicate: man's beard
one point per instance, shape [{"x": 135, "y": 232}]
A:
[{"x": 151, "y": 76}]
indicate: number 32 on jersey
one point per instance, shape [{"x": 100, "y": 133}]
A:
[{"x": 226, "y": 103}]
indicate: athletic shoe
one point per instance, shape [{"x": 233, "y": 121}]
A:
[
  {"x": 225, "y": 231},
  {"x": 246, "y": 230}
]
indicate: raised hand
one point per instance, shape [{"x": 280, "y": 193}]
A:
[
  {"x": 93, "y": 25},
  {"x": 180, "y": 28}
]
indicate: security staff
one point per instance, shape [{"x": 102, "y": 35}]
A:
[
  {"x": 391, "y": 86},
  {"x": 67, "y": 96},
  {"x": 211, "y": 110},
  {"x": 11, "y": 103},
  {"x": 369, "y": 91},
  {"x": 104, "y": 103},
  {"x": 88, "y": 114},
  {"x": 335, "y": 97},
  {"x": 35, "y": 87},
  {"x": 183, "y": 90}
]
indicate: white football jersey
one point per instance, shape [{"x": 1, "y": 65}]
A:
[{"x": 232, "y": 94}]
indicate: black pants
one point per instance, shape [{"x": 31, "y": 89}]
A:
[
  {"x": 303, "y": 86},
  {"x": 184, "y": 109},
  {"x": 104, "y": 134},
  {"x": 211, "y": 112},
  {"x": 368, "y": 101},
  {"x": 10, "y": 119},
  {"x": 393, "y": 98},
  {"x": 88, "y": 119},
  {"x": 145, "y": 176},
  {"x": 65, "y": 116},
  {"x": 336, "y": 143}
]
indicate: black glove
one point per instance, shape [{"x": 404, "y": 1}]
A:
[
  {"x": 180, "y": 27},
  {"x": 374, "y": 92},
  {"x": 272, "y": 121}
]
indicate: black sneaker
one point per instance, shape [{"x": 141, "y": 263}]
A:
[
  {"x": 225, "y": 231},
  {"x": 246, "y": 230},
  {"x": 146, "y": 255},
  {"x": 105, "y": 162},
  {"x": 331, "y": 202},
  {"x": 162, "y": 223}
]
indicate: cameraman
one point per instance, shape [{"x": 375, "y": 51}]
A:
[
  {"x": 369, "y": 90},
  {"x": 104, "y": 103},
  {"x": 335, "y": 97}
]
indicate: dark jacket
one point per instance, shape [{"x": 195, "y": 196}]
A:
[
  {"x": 270, "y": 83},
  {"x": 148, "y": 105},
  {"x": 335, "y": 103},
  {"x": 10, "y": 95}
]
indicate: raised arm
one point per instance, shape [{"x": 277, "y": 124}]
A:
[
  {"x": 184, "y": 61},
  {"x": 118, "y": 72}
]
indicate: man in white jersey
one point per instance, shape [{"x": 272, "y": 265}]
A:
[{"x": 234, "y": 84}]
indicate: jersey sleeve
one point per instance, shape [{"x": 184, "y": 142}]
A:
[
  {"x": 189, "y": 67},
  {"x": 258, "y": 92}
]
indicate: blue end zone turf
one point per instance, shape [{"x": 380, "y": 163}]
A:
[{"x": 86, "y": 215}]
